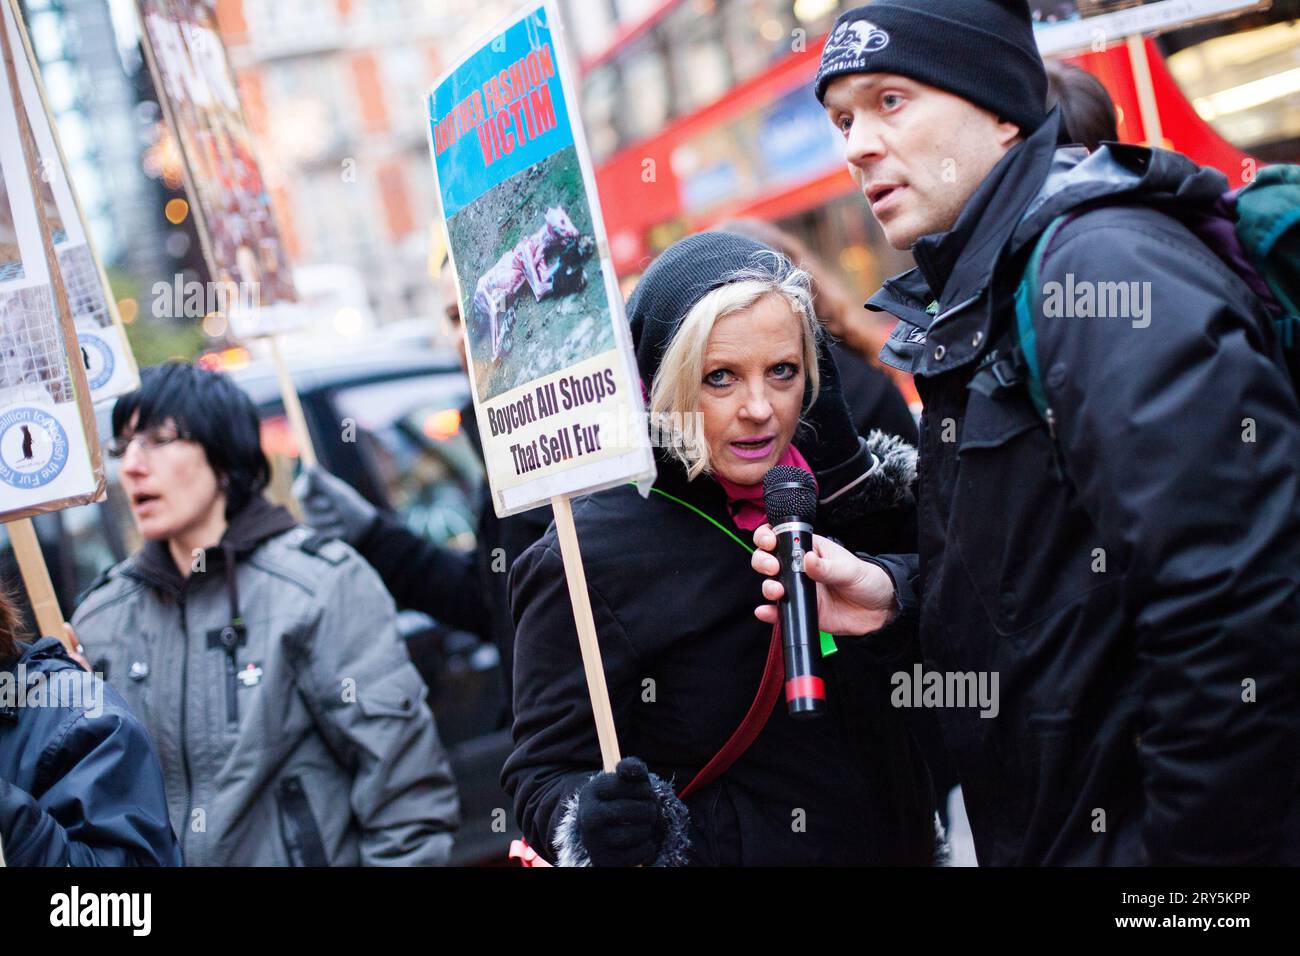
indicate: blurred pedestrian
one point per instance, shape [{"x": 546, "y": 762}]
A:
[
  {"x": 465, "y": 590},
  {"x": 1087, "y": 111},
  {"x": 264, "y": 659},
  {"x": 718, "y": 772},
  {"x": 1108, "y": 497},
  {"x": 80, "y": 783},
  {"x": 874, "y": 400}
]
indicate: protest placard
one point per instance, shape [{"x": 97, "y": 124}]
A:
[
  {"x": 249, "y": 267},
  {"x": 241, "y": 241},
  {"x": 49, "y": 457},
  {"x": 105, "y": 352},
  {"x": 560, "y": 406},
  {"x": 1070, "y": 26}
]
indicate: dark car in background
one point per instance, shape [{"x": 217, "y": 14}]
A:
[{"x": 388, "y": 422}]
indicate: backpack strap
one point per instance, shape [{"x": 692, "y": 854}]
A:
[
  {"x": 1268, "y": 225},
  {"x": 1027, "y": 304},
  {"x": 769, "y": 690}
]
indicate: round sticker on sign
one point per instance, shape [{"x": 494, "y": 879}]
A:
[
  {"x": 97, "y": 357},
  {"x": 33, "y": 448}
]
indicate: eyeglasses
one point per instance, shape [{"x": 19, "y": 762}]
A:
[{"x": 148, "y": 441}]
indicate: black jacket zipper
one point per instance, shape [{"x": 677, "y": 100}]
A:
[
  {"x": 228, "y": 639},
  {"x": 185, "y": 756},
  {"x": 232, "y": 693}
]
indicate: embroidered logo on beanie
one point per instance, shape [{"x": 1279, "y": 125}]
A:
[{"x": 850, "y": 42}]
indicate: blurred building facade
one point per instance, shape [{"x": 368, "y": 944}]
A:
[
  {"x": 91, "y": 70},
  {"x": 702, "y": 110},
  {"x": 334, "y": 90},
  {"x": 695, "y": 111}
]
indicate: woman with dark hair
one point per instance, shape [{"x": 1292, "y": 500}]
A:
[
  {"x": 718, "y": 772},
  {"x": 1087, "y": 113},
  {"x": 79, "y": 782},
  {"x": 263, "y": 658}
]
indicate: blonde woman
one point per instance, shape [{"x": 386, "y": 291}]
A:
[{"x": 728, "y": 351}]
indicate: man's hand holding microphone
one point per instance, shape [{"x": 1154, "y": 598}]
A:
[{"x": 853, "y": 596}]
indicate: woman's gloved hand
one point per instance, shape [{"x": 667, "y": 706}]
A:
[
  {"x": 832, "y": 439},
  {"x": 622, "y": 818},
  {"x": 332, "y": 506}
]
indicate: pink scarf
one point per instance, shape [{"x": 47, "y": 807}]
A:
[{"x": 745, "y": 502}]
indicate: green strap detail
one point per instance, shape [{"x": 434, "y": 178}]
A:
[
  {"x": 1027, "y": 294},
  {"x": 828, "y": 642},
  {"x": 713, "y": 521}
]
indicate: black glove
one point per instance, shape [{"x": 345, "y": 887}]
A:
[
  {"x": 620, "y": 817},
  {"x": 832, "y": 439},
  {"x": 332, "y": 506}
]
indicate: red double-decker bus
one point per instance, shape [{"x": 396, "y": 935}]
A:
[{"x": 702, "y": 110}]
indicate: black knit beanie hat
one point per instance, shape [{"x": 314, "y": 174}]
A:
[
  {"x": 684, "y": 273},
  {"x": 981, "y": 50}
]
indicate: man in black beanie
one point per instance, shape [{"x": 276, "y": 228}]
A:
[
  {"x": 970, "y": 67},
  {"x": 1108, "y": 495}
]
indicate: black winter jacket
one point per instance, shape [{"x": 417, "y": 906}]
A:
[
  {"x": 1133, "y": 578},
  {"x": 673, "y": 598},
  {"x": 80, "y": 784}
]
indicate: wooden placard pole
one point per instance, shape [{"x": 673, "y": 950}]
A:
[
  {"x": 582, "y": 617},
  {"x": 292, "y": 405},
  {"x": 1148, "y": 107},
  {"x": 36, "y": 579}
]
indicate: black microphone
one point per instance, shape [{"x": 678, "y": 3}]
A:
[{"x": 790, "y": 498}]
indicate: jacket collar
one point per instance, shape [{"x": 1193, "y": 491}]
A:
[
  {"x": 1118, "y": 172},
  {"x": 30, "y": 658},
  {"x": 953, "y": 327},
  {"x": 254, "y": 524}
]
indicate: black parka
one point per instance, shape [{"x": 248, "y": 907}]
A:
[
  {"x": 1134, "y": 577},
  {"x": 80, "y": 783}
]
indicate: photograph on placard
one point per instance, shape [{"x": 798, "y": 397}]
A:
[
  {"x": 527, "y": 245},
  {"x": 242, "y": 240},
  {"x": 11, "y": 260}
]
